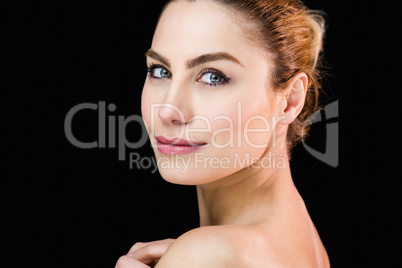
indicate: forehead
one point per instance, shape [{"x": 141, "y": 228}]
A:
[{"x": 194, "y": 28}]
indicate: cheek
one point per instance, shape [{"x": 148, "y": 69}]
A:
[
  {"x": 256, "y": 130},
  {"x": 240, "y": 128},
  {"x": 223, "y": 122},
  {"x": 146, "y": 101},
  {"x": 241, "y": 121},
  {"x": 254, "y": 126},
  {"x": 257, "y": 120}
]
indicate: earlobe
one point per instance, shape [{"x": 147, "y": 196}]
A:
[{"x": 295, "y": 98}]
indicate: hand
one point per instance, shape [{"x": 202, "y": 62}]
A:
[{"x": 144, "y": 255}]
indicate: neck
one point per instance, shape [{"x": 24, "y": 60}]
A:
[{"x": 246, "y": 195}]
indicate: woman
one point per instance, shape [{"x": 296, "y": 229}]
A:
[{"x": 230, "y": 86}]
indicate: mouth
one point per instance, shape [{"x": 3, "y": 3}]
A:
[{"x": 177, "y": 146}]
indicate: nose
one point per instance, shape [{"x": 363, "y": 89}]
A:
[{"x": 176, "y": 108}]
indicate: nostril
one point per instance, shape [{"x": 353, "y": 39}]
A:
[{"x": 178, "y": 122}]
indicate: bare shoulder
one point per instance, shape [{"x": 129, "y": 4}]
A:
[
  {"x": 242, "y": 246},
  {"x": 220, "y": 246}
]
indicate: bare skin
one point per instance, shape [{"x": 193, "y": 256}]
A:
[
  {"x": 250, "y": 215},
  {"x": 260, "y": 222}
]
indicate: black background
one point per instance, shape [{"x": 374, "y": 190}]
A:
[{"x": 84, "y": 208}]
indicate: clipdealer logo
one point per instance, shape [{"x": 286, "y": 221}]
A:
[
  {"x": 331, "y": 155},
  {"x": 107, "y": 132},
  {"x": 122, "y": 122}
]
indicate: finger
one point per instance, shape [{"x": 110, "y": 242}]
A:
[
  {"x": 129, "y": 262},
  {"x": 150, "y": 252},
  {"x": 139, "y": 245}
]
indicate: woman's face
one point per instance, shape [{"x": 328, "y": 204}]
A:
[{"x": 207, "y": 84}]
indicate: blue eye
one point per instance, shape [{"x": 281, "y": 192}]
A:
[
  {"x": 158, "y": 72},
  {"x": 209, "y": 77},
  {"x": 213, "y": 77}
]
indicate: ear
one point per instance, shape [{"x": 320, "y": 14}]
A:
[{"x": 295, "y": 95}]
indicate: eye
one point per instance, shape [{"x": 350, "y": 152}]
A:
[
  {"x": 158, "y": 72},
  {"x": 213, "y": 77}
]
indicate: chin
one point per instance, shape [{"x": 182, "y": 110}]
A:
[
  {"x": 191, "y": 176},
  {"x": 184, "y": 177},
  {"x": 199, "y": 168}
]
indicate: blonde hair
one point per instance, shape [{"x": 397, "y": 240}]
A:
[{"x": 316, "y": 22}]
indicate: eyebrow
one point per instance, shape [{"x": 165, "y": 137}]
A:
[
  {"x": 152, "y": 54},
  {"x": 196, "y": 61}
]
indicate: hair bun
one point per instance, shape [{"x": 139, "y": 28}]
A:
[{"x": 316, "y": 22}]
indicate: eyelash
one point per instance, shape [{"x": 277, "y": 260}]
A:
[
  {"x": 151, "y": 69},
  {"x": 224, "y": 78}
]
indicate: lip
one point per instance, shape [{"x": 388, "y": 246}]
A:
[{"x": 177, "y": 146}]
